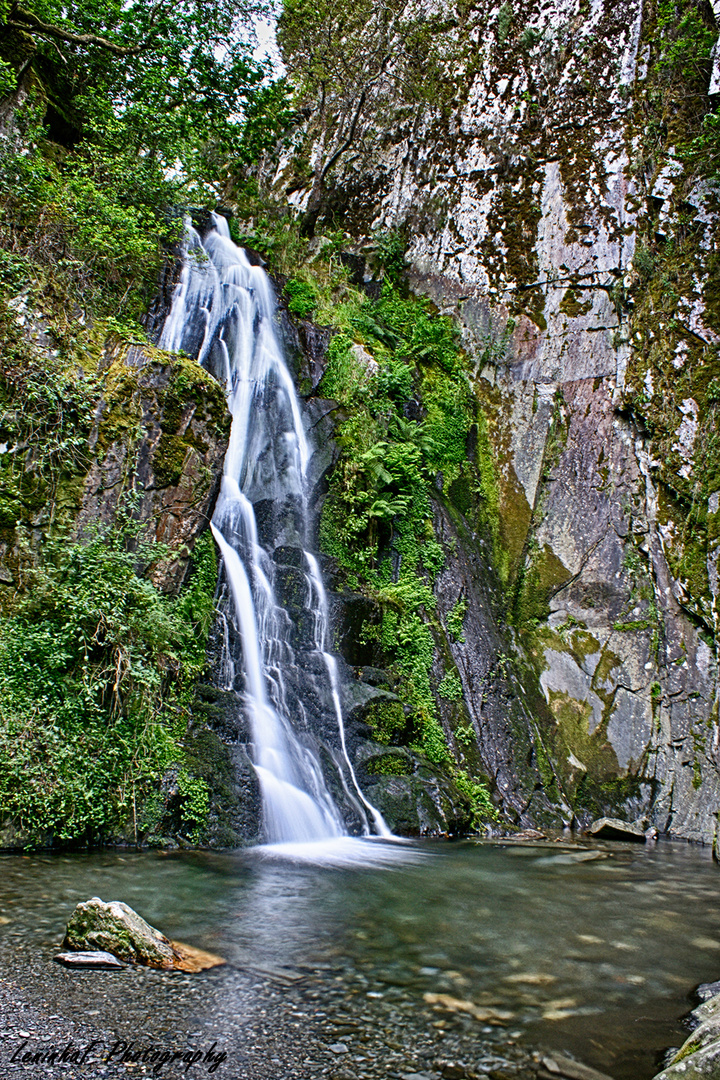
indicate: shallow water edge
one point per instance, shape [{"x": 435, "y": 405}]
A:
[{"x": 477, "y": 954}]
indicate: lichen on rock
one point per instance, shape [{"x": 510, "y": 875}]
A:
[{"x": 117, "y": 929}]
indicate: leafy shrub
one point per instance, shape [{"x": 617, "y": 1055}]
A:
[
  {"x": 395, "y": 381},
  {"x": 389, "y": 765},
  {"x": 455, "y": 619},
  {"x": 380, "y": 490},
  {"x": 387, "y": 720},
  {"x": 96, "y": 669},
  {"x": 504, "y": 22},
  {"x": 483, "y": 809},
  {"x": 303, "y": 299},
  {"x": 344, "y": 376},
  {"x": 450, "y": 686},
  {"x": 643, "y": 262}
]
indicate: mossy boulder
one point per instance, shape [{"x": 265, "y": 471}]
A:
[
  {"x": 115, "y": 928},
  {"x": 419, "y": 805},
  {"x": 606, "y": 828}
]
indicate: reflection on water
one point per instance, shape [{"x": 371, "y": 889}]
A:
[{"x": 592, "y": 950}]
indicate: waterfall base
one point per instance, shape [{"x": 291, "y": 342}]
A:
[{"x": 345, "y": 851}]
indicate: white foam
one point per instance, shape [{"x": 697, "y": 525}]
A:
[{"x": 347, "y": 852}]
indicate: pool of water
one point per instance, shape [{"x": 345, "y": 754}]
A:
[{"x": 588, "y": 949}]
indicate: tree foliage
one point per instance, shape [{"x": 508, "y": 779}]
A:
[
  {"x": 123, "y": 113},
  {"x": 165, "y": 81}
]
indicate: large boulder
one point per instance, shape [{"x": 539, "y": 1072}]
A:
[
  {"x": 115, "y": 928},
  {"x": 699, "y": 1056}
]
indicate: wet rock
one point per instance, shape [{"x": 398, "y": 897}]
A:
[
  {"x": 493, "y": 690},
  {"x": 452, "y": 1070},
  {"x": 193, "y": 960},
  {"x": 287, "y": 555},
  {"x": 117, "y": 929},
  {"x": 96, "y": 959},
  {"x": 705, "y": 991},
  {"x": 614, "y": 829},
  {"x": 703, "y": 1064},
  {"x": 373, "y": 677},
  {"x": 418, "y": 805},
  {"x": 565, "y": 1067},
  {"x": 161, "y": 432},
  {"x": 699, "y": 1056},
  {"x": 483, "y": 1014},
  {"x": 291, "y": 589}
]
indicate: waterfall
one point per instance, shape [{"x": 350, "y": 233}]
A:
[{"x": 223, "y": 313}]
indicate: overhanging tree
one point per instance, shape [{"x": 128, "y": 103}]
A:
[{"x": 167, "y": 80}]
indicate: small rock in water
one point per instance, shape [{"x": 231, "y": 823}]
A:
[
  {"x": 193, "y": 960},
  {"x": 532, "y": 978},
  {"x": 705, "y": 991},
  {"x": 115, "y": 928},
  {"x": 527, "y": 834},
  {"x": 614, "y": 829},
  {"x": 567, "y": 858},
  {"x": 96, "y": 959},
  {"x": 338, "y": 1048},
  {"x": 452, "y": 1070},
  {"x": 705, "y": 943},
  {"x": 484, "y": 1015}
]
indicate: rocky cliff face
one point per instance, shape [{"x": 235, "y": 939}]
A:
[
  {"x": 149, "y": 440},
  {"x": 110, "y": 459},
  {"x": 551, "y": 211}
]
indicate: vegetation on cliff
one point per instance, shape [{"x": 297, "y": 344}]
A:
[
  {"x": 97, "y": 669},
  {"x": 98, "y": 656},
  {"x": 674, "y": 375},
  {"x": 407, "y": 438}
]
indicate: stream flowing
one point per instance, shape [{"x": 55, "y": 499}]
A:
[{"x": 589, "y": 950}]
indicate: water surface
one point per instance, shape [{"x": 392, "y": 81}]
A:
[{"x": 590, "y": 950}]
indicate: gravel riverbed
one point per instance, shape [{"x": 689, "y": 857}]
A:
[{"x": 231, "y": 1023}]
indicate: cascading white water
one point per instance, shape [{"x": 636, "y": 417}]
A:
[
  {"x": 223, "y": 312},
  {"x": 321, "y": 633}
]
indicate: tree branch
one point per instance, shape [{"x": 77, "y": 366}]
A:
[
  {"x": 21, "y": 19},
  {"x": 351, "y": 134}
]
